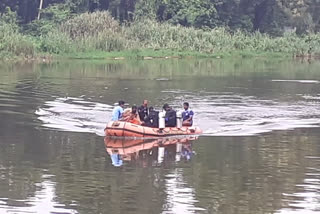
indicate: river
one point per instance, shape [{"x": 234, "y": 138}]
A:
[{"x": 259, "y": 152}]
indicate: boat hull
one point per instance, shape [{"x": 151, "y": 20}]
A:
[{"x": 126, "y": 129}]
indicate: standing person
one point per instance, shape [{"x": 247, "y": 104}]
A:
[
  {"x": 170, "y": 117},
  {"x": 187, "y": 115},
  {"x": 118, "y": 111},
  {"x": 143, "y": 111}
]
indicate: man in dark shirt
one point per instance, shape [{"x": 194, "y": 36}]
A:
[
  {"x": 143, "y": 111},
  {"x": 153, "y": 118},
  {"x": 170, "y": 117}
]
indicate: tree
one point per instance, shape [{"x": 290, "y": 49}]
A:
[{"x": 270, "y": 16}]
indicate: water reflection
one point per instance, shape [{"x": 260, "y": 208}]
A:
[
  {"x": 277, "y": 171},
  {"x": 180, "y": 195},
  {"x": 306, "y": 199},
  {"x": 42, "y": 202},
  {"x": 149, "y": 151},
  {"x": 181, "y": 198}
]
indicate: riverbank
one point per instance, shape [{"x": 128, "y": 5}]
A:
[
  {"x": 147, "y": 54},
  {"x": 98, "y": 36}
]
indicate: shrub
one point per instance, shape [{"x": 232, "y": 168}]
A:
[
  {"x": 12, "y": 42},
  {"x": 56, "y": 42},
  {"x": 89, "y": 24}
]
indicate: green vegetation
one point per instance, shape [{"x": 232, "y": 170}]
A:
[
  {"x": 267, "y": 16},
  {"x": 12, "y": 42},
  {"x": 181, "y": 29}
]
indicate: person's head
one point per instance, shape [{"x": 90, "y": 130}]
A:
[
  {"x": 145, "y": 103},
  {"x": 185, "y": 106},
  {"x": 121, "y": 103},
  {"x": 151, "y": 109},
  {"x": 134, "y": 109},
  {"x": 166, "y": 107}
]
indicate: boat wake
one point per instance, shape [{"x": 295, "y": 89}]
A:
[
  {"x": 236, "y": 115},
  {"x": 217, "y": 114},
  {"x": 75, "y": 115}
]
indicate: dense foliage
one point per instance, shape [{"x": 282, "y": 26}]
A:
[
  {"x": 206, "y": 26},
  {"x": 271, "y": 16}
]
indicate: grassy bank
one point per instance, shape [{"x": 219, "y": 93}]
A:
[
  {"x": 148, "y": 54},
  {"x": 98, "y": 36}
]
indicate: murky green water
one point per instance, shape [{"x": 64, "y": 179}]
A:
[{"x": 260, "y": 151}]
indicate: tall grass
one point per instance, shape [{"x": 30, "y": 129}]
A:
[
  {"x": 99, "y": 31},
  {"x": 151, "y": 34},
  {"x": 90, "y": 24},
  {"x": 96, "y": 31},
  {"x": 13, "y": 43},
  {"x": 56, "y": 42}
]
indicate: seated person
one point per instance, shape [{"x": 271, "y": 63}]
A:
[
  {"x": 187, "y": 115},
  {"x": 118, "y": 111},
  {"x": 131, "y": 116},
  {"x": 170, "y": 117},
  {"x": 153, "y": 118}
]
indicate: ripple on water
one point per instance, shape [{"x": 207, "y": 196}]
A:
[
  {"x": 217, "y": 114},
  {"x": 297, "y": 81},
  {"x": 19, "y": 99},
  {"x": 251, "y": 116},
  {"x": 307, "y": 197}
]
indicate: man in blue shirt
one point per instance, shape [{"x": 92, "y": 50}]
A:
[
  {"x": 187, "y": 115},
  {"x": 118, "y": 111}
]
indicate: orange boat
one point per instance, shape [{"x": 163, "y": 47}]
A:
[{"x": 126, "y": 129}]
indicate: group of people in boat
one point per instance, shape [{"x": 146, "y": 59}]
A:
[{"x": 148, "y": 116}]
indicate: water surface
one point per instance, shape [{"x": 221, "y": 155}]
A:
[{"x": 259, "y": 152}]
